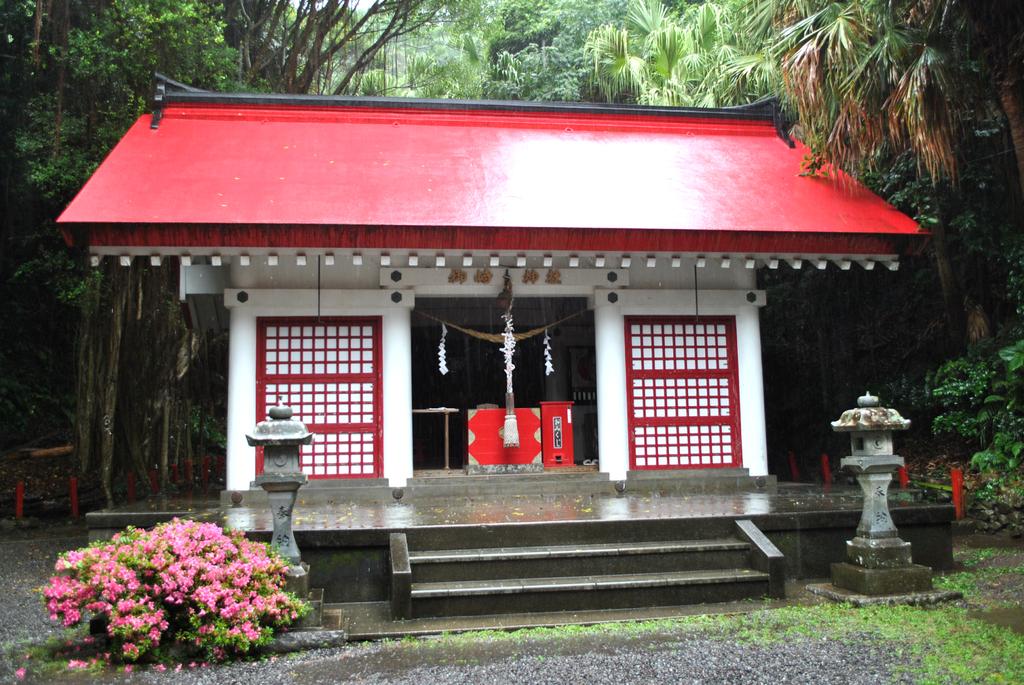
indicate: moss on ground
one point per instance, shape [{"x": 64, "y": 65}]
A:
[
  {"x": 991, "y": 577},
  {"x": 945, "y": 644}
]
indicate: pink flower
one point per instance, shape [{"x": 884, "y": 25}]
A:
[
  {"x": 20, "y": 674},
  {"x": 227, "y": 589}
]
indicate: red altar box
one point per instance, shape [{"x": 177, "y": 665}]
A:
[
  {"x": 485, "y": 442},
  {"x": 556, "y": 433}
]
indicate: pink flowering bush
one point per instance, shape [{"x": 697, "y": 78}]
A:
[{"x": 184, "y": 583}]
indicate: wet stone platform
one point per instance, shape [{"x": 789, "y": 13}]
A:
[
  {"x": 516, "y": 509},
  {"x": 390, "y": 515},
  {"x": 810, "y": 525},
  {"x": 431, "y": 558}
]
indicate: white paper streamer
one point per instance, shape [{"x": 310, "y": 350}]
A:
[
  {"x": 549, "y": 367},
  {"x": 442, "y": 353},
  {"x": 508, "y": 347}
]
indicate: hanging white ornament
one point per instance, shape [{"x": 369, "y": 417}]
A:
[
  {"x": 549, "y": 367},
  {"x": 510, "y": 433},
  {"x": 442, "y": 353},
  {"x": 508, "y": 347}
]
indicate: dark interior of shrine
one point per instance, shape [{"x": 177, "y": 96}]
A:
[{"x": 476, "y": 367}]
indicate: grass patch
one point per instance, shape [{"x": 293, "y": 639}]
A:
[
  {"x": 49, "y": 659},
  {"x": 973, "y": 580},
  {"x": 949, "y": 646},
  {"x": 972, "y": 557},
  {"x": 942, "y": 645}
]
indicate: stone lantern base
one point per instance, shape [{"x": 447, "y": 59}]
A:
[
  {"x": 297, "y": 580},
  {"x": 882, "y": 581},
  {"x": 900, "y": 597},
  {"x": 880, "y": 565}
]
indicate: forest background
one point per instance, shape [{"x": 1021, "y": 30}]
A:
[{"x": 923, "y": 100}]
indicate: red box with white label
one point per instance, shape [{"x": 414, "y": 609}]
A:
[{"x": 556, "y": 433}]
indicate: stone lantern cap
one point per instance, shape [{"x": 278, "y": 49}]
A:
[
  {"x": 279, "y": 431},
  {"x": 869, "y": 416}
]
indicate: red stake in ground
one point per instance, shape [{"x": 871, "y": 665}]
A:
[
  {"x": 73, "y": 488},
  {"x": 19, "y": 499},
  {"x": 794, "y": 471},
  {"x": 956, "y": 476},
  {"x": 826, "y": 470}
]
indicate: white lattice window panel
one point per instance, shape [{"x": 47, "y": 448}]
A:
[
  {"x": 328, "y": 372},
  {"x": 683, "y": 392}
]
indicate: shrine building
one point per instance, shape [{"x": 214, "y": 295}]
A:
[{"x": 362, "y": 253}]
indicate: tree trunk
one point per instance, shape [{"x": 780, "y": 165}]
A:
[
  {"x": 1013, "y": 107},
  {"x": 119, "y": 286},
  {"x": 86, "y": 381},
  {"x": 952, "y": 297},
  {"x": 999, "y": 25},
  {"x": 165, "y": 440},
  {"x": 189, "y": 456}
]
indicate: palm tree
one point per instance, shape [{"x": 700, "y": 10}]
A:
[
  {"x": 865, "y": 78},
  {"x": 699, "y": 59},
  {"x": 872, "y": 78}
]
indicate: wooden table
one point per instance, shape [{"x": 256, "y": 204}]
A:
[{"x": 446, "y": 411}]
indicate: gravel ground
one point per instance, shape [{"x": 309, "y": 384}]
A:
[
  {"x": 25, "y": 564},
  {"x": 26, "y": 561},
  {"x": 613, "y": 658}
]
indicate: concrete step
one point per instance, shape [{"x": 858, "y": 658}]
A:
[
  {"x": 577, "y": 532},
  {"x": 553, "y": 475},
  {"x": 574, "y": 560},
  {"x": 502, "y": 596},
  {"x": 314, "y": 619},
  {"x": 505, "y": 485}
]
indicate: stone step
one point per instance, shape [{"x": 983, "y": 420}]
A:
[
  {"x": 551, "y": 475},
  {"x": 578, "y": 532},
  {"x": 473, "y": 598},
  {"x": 572, "y": 560},
  {"x": 314, "y": 619}
]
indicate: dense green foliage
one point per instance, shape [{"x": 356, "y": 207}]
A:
[
  {"x": 921, "y": 99},
  {"x": 703, "y": 57},
  {"x": 982, "y": 396}
]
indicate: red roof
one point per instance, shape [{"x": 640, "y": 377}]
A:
[{"x": 259, "y": 173}]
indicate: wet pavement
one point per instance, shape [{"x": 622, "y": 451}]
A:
[{"x": 548, "y": 508}]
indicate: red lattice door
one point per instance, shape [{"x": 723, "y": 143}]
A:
[
  {"x": 683, "y": 392},
  {"x": 329, "y": 372}
]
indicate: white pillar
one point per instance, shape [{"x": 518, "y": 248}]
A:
[
  {"x": 241, "y": 459},
  {"x": 396, "y": 345},
  {"x": 752, "y": 422},
  {"x": 612, "y": 424}
]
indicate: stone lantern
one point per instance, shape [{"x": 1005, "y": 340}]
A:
[
  {"x": 280, "y": 438},
  {"x": 878, "y": 561}
]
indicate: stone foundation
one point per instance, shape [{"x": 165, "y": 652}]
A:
[{"x": 882, "y": 581}]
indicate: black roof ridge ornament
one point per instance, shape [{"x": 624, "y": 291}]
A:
[
  {"x": 766, "y": 109},
  {"x": 780, "y": 120},
  {"x": 164, "y": 85}
]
